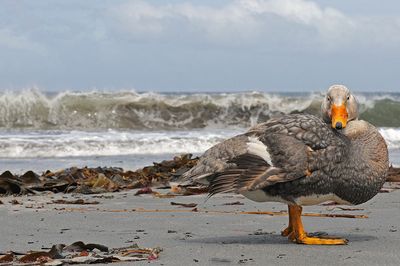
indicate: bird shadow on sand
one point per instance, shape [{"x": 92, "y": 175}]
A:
[{"x": 273, "y": 239}]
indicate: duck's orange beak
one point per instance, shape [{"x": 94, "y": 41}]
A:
[{"x": 339, "y": 116}]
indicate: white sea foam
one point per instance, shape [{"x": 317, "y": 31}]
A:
[
  {"x": 392, "y": 137},
  {"x": 106, "y": 143},
  {"x": 111, "y": 142}
]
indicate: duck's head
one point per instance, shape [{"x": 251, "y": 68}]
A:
[{"x": 339, "y": 106}]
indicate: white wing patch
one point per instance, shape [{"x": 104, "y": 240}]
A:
[{"x": 256, "y": 147}]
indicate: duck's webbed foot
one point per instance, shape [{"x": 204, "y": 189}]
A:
[
  {"x": 297, "y": 234},
  {"x": 312, "y": 240}
]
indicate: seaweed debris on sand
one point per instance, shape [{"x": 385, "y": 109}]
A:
[
  {"x": 80, "y": 253},
  {"x": 393, "y": 175},
  {"x": 96, "y": 180},
  {"x": 109, "y": 179}
]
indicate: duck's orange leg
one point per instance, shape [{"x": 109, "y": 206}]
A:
[
  {"x": 298, "y": 234},
  {"x": 288, "y": 230}
]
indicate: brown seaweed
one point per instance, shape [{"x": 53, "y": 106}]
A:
[
  {"x": 81, "y": 253},
  {"x": 393, "y": 175},
  {"x": 96, "y": 180}
]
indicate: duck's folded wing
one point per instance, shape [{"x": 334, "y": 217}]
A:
[
  {"x": 216, "y": 159},
  {"x": 289, "y": 161},
  {"x": 298, "y": 146}
]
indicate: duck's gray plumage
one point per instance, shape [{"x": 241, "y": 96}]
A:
[{"x": 295, "y": 157}]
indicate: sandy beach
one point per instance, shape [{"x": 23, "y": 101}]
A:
[{"x": 217, "y": 234}]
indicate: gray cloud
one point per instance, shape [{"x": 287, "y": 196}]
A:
[
  {"x": 11, "y": 40},
  {"x": 207, "y": 45},
  {"x": 257, "y": 20}
]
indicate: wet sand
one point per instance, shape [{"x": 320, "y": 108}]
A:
[{"x": 202, "y": 238}]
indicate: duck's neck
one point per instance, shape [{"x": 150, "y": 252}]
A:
[
  {"x": 367, "y": 164},
  {"x": 366, "y": 143}
]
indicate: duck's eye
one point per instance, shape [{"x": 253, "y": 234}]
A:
[
  {"x": 348, "y": 97},
  {"x": 328, "y": 98}
]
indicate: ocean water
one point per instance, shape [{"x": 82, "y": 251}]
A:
[{"x": 40, "y": 131}]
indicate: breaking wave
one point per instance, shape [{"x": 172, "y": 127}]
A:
[
  {"x": 71, "y": 124},
  {"x": 33, "y": 109}
]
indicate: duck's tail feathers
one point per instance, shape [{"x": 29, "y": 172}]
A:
[{"x": 249, "y": 168}]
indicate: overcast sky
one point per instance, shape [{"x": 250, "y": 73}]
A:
[{"x": 176, "y": 45}]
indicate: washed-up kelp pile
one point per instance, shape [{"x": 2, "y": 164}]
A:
[
  {"x": 108, "y": 179},
  {"x": 394, "y": 174},
  {"x": 80, "y": 253},
  {"x": 96, "y": 180}
]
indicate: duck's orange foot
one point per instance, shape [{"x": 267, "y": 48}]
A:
[
  {"x": 311, "y": 240},
  {"x": 296, "y": 233}
]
